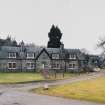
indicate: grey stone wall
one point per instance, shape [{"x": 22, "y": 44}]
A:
[{"x": 21, "y": 65}]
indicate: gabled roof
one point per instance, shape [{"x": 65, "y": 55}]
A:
[{"x": 43, "y": 50}]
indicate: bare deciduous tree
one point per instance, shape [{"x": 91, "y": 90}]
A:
[{"x": 101, "y": 43}]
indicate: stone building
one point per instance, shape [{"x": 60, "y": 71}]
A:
[{"x": 24, "y": 58}]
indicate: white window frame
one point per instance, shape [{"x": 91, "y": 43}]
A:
[
  {"x": 33, "y": 55},
  {"x": 12, "y": 65},
  {"x": 30, "y": 65},
  {"x": 72, "y": 56},
  {"x": 73, "y": 66},
  {"x": 12, "y": 53},
  {"x": 55, "y": 56},
  {"x": 56, "y": 66}
]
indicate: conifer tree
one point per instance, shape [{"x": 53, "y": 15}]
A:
[{"x": 54, "y": 37}]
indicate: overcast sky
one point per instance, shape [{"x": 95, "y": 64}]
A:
[{"x": 82, "y": 22}]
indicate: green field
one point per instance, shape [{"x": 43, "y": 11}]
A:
[
  {"x": 27, "y": 77},
  {"x": 91, "y": 90}
]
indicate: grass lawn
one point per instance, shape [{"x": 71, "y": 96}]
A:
[
  {"x": 26, "y": 77},
  {"x": 19, "y": 77},
  {"x": 91, "y": 90}
]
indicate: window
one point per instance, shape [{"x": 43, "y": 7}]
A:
[
  {"x": 72, "y": 56},
  {"x": 12, "y": 55},
  {"x": 30, "y": 55},
  {"x": 56, "y": 65},
  {"x": 30, "y": 65},
  {"x": 55, "y": 56},
  {"x": 12, "y": 65},
  {"x": 72, "y": 65}
]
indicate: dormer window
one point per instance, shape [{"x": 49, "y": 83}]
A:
[
  {"x": 11, "y": 55},
  {"x": 30, "y": 55},
  {"x": 55, "y": 56},
  {"x": 72, "y": 56}
]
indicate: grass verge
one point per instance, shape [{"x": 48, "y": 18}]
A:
[
  {"x": 10, "y": 78},
  {"x": 19, "y": 77},
  {"x": 90, "y": 90}
]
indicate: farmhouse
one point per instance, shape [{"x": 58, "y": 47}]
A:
[{"x": 24, "y": 58}]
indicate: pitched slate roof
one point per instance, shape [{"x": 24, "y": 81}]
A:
[
  {"x": 10, "y": 49},
  {"x": 5, "y": 49},
  {"x": 53, "y": 50},
  {"x": 73, "y": 51},
  {"x": 32, "y": 49},
  {"x": 78, "y": 53}
]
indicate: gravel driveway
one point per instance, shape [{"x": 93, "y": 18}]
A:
[
  {"x": 22, "y": 98},
  {"x": 17, "y": 94}
]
